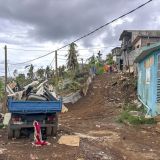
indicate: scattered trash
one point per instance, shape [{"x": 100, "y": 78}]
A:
[
  {"x": 64, "y": 109},
  {"x": 113, "y": 84},
  {"x": 33, "y": 157},
  {"x": 137, "y": 103},
  {"x": 148, "y": 116},
  {"x": 69, "y": 140},
  {"x": 135, "y": 113},
  {"x": 2, "y": 150},
  {"x": 7, "y": 118},
  {"x": 98, "y": 126}
]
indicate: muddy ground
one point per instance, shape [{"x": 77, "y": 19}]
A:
[{"x": 93, "y": 118}]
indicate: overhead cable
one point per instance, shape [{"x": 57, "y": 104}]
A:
[{"x": 88, "y": 34}]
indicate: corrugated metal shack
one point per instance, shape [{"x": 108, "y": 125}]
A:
[{"x": 149, "y": 78}]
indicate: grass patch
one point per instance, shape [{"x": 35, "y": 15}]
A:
[
  {"x": 132, "y": 107},
  {"x": 126, "y": 117}
]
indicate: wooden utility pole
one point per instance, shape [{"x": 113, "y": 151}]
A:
[
  {"x": 5, "y": 89},
  {"x": 56, "y": 66},
  {"x": 82, "y": 63}
]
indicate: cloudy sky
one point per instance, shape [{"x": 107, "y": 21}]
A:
[{"x": 31, "y": 28}]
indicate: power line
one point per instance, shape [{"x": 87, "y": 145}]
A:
[
  {"x": 88, "y": 34},
  {"x": 33, "y": 59},
  {"x": 20, "y": 49}
]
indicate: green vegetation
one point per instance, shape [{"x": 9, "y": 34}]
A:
[
  {"x": 72, "y": 62},
  {"x": 126, "y": 117},
  {"x": 109, "y": 59},
  {"x": 40, "y": 73},
  {"x": 1, "y": 90},
  {"x": 30, "y": 72},
  {"x": 22, "y": 81}
]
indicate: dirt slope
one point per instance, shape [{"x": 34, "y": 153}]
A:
[{"x": 93, "y": 118}]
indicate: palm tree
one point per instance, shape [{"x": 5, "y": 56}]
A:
[{"x": 72, "y": 62}]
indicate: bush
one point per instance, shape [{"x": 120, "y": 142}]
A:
[
  {"x": 100, "y": 71},
  {"x": 135, "y": 120},
  {"x": 131, "y": 107}
]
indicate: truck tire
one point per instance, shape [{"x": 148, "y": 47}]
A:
[
  {"x": 49, "y": 131},
  {"x": 16, "y": 133},
  {"x": 55, "y": 128},
  {"x": 10, "y": 132}
]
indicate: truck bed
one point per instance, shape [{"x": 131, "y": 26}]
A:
[{"x": 29, "y": 107}]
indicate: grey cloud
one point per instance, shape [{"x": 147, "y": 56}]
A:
[
  {"x": 54, "y": 20},
  {"x": 30, "y": 23}
]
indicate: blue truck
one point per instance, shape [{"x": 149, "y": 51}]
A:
[{"x": 23, "y": 113}]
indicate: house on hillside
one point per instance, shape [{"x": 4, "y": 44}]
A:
[
  {"x": 148, "y": 63},
  {"x": 132, "y": 41},
  {"x": 116, "y": 53}
]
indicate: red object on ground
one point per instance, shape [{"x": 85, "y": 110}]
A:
[{"x": 37, "y": 135}]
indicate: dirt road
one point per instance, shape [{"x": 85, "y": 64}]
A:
[{"x": 93, "y": 118}]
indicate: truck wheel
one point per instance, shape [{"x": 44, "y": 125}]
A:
[
  {"x": 16, "y": 133},
  {"x": 55, "y": 128},
  {"x": 49, "y": 131},
  {"x": 10, "y": 132}
]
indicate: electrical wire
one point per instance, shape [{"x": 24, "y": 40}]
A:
[
  {"x": 80, "y": 49},
  {"x": 51, "y": 66},
  {"x": 88, "y": 34}
]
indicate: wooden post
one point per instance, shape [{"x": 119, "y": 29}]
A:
[
  {"x": 5, "y": 89},
  {"x": 82, "y": 63}
]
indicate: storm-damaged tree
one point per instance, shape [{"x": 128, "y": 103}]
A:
[
  {"x": 99, "y": 56},
  {"x": 48, "y": 72},
  {"x": 40, "y": 72},
  {"x": 72, "y": 62},
  {"x": 30, "y": 73},
  {"x": 21, "y": 80},
  {"x": 15, "y": 73},
  {"x": 92, "y": 60},
  {"x": 109, "y": 59},
  {"x": 61, "y": 71}
]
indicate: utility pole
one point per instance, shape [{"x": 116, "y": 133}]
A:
[
  {"x": 5, "y": 98},
  {"x": 56, "y": 66},
  {"x": 82, "y": 63}
]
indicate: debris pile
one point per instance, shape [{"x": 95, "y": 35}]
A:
[
  {"x": 123, "y": 87},
  {"x": 32, "y": 92}
]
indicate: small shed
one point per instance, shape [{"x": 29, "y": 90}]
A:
[{"x": 148, "y": 65}]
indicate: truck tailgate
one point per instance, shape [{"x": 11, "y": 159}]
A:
[{"x": 34, "y": 106}]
